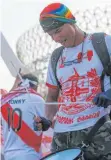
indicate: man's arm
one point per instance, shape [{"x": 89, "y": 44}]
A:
[
  {"x": 52, "y": 96},
  {"x": 42, "y": 123}
]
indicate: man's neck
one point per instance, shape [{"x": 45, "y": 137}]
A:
[{"x": 80, "y": 36}]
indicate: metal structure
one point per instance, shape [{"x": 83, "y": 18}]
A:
[{"x": 35, "y": 47}]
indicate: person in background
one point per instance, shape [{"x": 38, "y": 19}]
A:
[
  {"x": 78, "y": 71},
  {"x": 19, "y": 107}
]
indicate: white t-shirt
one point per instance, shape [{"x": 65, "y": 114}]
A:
[
  {"x": 80, "y": 83},
  {"x": 13, "y": 145}
]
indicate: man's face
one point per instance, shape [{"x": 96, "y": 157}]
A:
[{"x": 65, "y": 35}]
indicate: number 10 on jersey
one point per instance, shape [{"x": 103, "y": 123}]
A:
[{"x": 14, "y": 123}]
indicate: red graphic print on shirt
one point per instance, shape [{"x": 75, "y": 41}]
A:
[
  {"x": 89, "y": 55},
  {"x": 79, "y": 89}
]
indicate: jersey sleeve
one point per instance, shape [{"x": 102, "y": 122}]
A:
[
  {"x": 38, "y": 105},
  {"x": 108, "y": 43},
  {"x": 51, "y": 81}
]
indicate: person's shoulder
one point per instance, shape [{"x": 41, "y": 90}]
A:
[
  {"x": 36, "y": 97},
  {"x": 58, "y": 49},
  {"x": 107, "y": 37},
  {"x": 36, "y": 100},
  {"x": 108, "y": 43}
]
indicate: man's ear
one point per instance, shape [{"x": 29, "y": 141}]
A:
[{"x": 35, "y": 88}]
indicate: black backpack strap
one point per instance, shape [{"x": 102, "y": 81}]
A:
[
  {"x": 54, "y": 59},
  {"x": 99, "y": 44}
]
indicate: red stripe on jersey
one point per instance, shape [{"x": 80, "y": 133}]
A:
[
  {"x": 51, "y": 86},
  {"x": 27, "y": 135}
]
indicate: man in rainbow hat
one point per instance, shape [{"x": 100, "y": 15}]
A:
[{"x": 77, "y": 82}]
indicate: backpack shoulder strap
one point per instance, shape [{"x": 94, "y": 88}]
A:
[
  {"x": 99, "y": 44},
  {"x": 54, "y": 59}
]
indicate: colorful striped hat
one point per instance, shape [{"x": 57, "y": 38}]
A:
[{"x": 55, "y": 15}]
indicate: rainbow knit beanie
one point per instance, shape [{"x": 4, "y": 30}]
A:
[{"x": 55, "y": 15}]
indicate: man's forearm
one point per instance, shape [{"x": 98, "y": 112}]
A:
[{"x": 51, "y": 111}]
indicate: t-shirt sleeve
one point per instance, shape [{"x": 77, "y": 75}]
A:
[
  {"x": 51, "y": 81},
  {"x": 108, "y": 43}
]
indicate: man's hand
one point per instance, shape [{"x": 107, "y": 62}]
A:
[
  {"x": 103, "y": 99},
  {"x": 41, "y": 124}
]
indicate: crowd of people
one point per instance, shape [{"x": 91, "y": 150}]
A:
[{"x": 76, "y": 82}]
